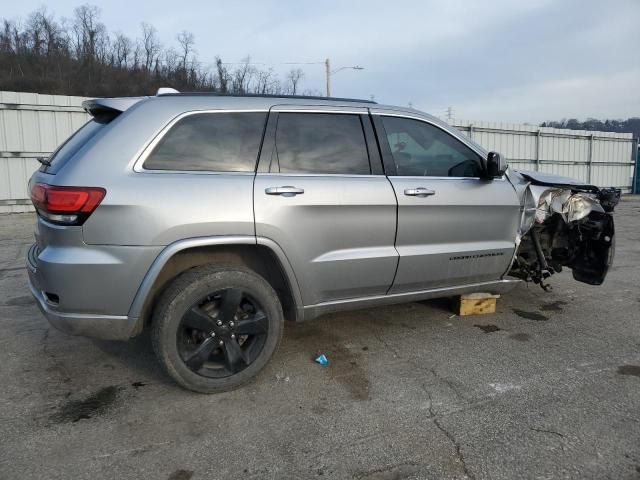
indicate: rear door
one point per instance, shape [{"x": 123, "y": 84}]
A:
[
  {"x": 454, "y": 228},
  {"x": 320, "y": 193}
]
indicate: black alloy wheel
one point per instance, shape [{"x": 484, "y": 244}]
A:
[
  {"x": 216, "y": 327},
  {"x": 222, "y": 334}
]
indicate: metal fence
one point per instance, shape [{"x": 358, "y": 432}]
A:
[
  {"x": 636, "y": 180},
  {"x": 600, "y": 158},
  {"x": 33, "y": 125}
]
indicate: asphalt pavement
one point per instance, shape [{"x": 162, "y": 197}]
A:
[{"x": 547, "y": 387}]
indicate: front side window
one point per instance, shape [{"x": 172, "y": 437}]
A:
[
  {"x": 326, "y": 143},
  {"x": 421, "y": 149},
  {"x": 218, "y": 142}
]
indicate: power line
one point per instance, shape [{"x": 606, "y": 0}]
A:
[{"x": 272, "y": 63}]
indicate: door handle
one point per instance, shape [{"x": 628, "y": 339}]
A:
[
  {"x": 419, "y": 192},
  {"x": 286, "y": 191}
]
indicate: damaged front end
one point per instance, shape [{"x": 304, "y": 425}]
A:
[{"x": 565, "y": 224}]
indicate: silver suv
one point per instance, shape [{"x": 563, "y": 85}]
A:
[{"x": 210, "y": 219}]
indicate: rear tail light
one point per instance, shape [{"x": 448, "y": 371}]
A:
[{"x": 66, "y": 205}]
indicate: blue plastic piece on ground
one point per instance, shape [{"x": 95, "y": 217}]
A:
[{"x": 322, "y": 360}]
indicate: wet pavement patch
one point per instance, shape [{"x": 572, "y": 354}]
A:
[
  {"x": 553, "y": 306},
  {"x": 344, "y": 366},
  {"x": 392, "y": 472},
  {"x": 181, "y": 475},
  {"x": 319, "y": 409},
  {"x": 538, "y": 317},
  {"x": 20, "y": 301},
  {"x": 520, "y": 337},
  {"x": 488, "y": 328},
  {"x": 633, "y": 370},
  {"x": 94, "y": 405}
]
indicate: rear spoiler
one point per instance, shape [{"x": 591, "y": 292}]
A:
[{"x": 96, "y": 106}]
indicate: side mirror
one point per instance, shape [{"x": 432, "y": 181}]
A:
[{"x": 495, "y": 165}]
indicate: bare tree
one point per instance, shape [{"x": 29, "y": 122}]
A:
[
  {"x": 187, "y": 42},
  {"x": 78, "y": 56},
  {"x": 52, "y": 32},
  {"x": 88, "y": 31},
  {"x": 137, "y": 56},
  {"x": 171, "y": 61},
  {"x": 223, "y": 76},
  {"x": 264, "y": 81},
  {"x": 243, "y": 76},
  {"x": 6, "y": 37},
  {"x": 150, "y": 45},
  {"x": 312, "y": 92},
  {"x": 122, "y": 49},
  {"x": 293, "y": 78},
  {"x": 35, "y": 32}
]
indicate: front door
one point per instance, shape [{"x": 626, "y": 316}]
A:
[
  {"x": 321, "y": 195},
  {"x": 454, "y": 228}
]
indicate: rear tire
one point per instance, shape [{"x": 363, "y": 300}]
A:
[{"x": 215, "y": 328}]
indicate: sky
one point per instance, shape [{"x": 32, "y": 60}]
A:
[{"x": 496, "y": 60}]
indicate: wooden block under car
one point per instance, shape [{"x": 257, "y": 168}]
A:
[{"x": 477, "y": 303}]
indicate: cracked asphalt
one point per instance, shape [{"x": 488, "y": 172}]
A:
[{"x": 548, "y": 387}]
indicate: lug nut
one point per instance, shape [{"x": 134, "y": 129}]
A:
[
  {"x": 221, "y": 343},
  {"x": 233, "y": 336},
  {"x": 231, "y": 324},
  {"x": 213, "y": 334},
  {"x": 219, "y": 323}
]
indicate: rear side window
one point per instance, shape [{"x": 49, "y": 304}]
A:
[
  {"x": 75, "y": 142},
  {"x": 325, "y": 143},
  {"x": 219, "y": 142}
]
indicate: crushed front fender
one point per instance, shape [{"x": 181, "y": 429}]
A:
[{"x": 572, "y": 226}]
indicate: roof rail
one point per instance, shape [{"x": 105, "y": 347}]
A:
[{"x": 259, "y": 95}]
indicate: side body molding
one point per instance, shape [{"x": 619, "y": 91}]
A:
[{"x": 170, "y": 250}]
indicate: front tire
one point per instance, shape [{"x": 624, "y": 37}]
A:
[{"x": 215, "y": 328}]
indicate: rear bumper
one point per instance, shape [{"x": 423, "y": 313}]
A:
[{"x": 107, "y": 327}]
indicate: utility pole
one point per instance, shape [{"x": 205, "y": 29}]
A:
[
  {"x": 327, "y": 65},
  {"x": 329, "y": 72}
]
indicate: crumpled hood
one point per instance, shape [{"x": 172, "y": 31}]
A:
[{"x": 548, "y": 179}]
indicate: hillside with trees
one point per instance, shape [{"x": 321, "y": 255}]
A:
[
  {"x": 630, "y": 125},
  {"x": 79, "y": 56}
]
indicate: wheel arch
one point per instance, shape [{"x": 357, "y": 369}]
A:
[{"x": 262, "y": 255}]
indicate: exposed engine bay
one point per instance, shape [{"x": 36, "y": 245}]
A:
[{"x": 565, "y": 225}]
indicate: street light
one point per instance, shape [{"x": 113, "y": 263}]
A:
[{"x": 330, "y": 72}]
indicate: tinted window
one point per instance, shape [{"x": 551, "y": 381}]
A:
[
  {"x": 421, "y": 149},
  {"x": 220, "y": 142},
  {"x": 321, "y": 143},
  {"x": 76, "y": 141}
]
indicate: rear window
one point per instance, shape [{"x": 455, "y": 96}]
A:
[
  {"x": 322, "y": 143},
  {"x": 219, "y": 142},
  {"x": 75, "y": 142}
]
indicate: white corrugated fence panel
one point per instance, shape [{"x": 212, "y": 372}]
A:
[
  {"x": 31, "y": 125},
  {"x": 561, "y": 152}
]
